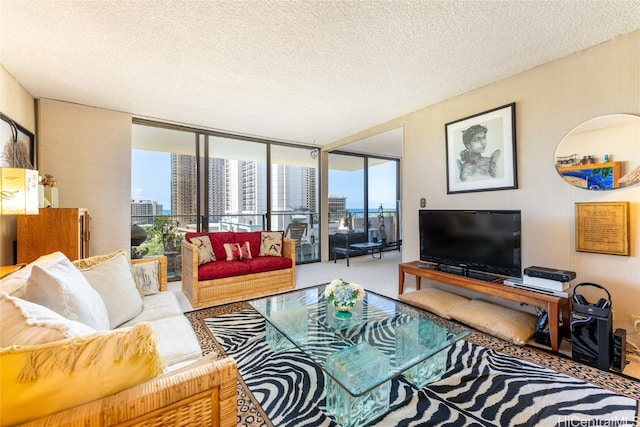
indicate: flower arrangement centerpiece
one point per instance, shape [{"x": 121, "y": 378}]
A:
[{"x": 344, "y": 296}]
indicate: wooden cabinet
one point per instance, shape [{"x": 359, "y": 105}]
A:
[
  {"x": 556, "y": 306},
  {"x": 54, "y": 229}
]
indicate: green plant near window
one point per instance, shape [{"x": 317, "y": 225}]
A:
[
  {"x": 163, "y": 236},
  {"x": 165, "y": 229}
]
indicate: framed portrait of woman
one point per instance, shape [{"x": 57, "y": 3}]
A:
[{"x": 481, "y": 151}]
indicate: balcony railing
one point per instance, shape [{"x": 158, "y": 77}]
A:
[{"x": 308, "y": 247}]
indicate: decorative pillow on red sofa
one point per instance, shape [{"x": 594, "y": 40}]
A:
[
  {"x": 205, "y": 250},
  {"x": 254, "y": 239},
  {"x": 218, "y": 239},
  {"x": 245, "y": 250},
  {"x": 233, "y": 251},
  {"x": 237, "y": 251},
  {"x": 271, "y": 244}
]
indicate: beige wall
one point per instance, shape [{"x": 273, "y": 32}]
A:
[
  {"x": 550, "y": 101},
  {"x": 88, "y": 151},
  {"x": 18, "y": 104}
]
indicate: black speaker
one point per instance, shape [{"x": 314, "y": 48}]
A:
[
  {"x": 619, "y": 350},
  {"x": 591, "y": 329}
]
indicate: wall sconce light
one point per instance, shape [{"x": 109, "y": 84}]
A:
[{"x": 18, "y": 186}]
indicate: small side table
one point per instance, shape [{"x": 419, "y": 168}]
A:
[{"x": 8, "y": 269}]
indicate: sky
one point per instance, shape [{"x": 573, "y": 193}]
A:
[
  {"x": 151, "y": 177},
  {"x": 151, "y": 180},
  {"x": 381, "y": 182}
]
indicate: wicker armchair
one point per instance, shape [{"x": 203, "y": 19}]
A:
[{"x": 203, "y": 394}]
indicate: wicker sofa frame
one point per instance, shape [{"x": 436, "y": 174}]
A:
[
  {"x": 207, "y": 293},
  {"x": 201, "y": 396}
]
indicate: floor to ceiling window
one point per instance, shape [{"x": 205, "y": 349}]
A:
[
  {"x": 163, "y": 192},
  {"x": 237, "y": 185},
  {"x": 346, "y": 192},
  {"x": 364, "y": 196},
  {"x": 190, "y": 180},
  {"x": 294, "y": 198},
  {"x": 382, "y": 196}
]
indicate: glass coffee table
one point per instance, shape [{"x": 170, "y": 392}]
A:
[{"x": 359, "y": 355}]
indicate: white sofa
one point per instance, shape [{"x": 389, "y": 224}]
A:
[
  {"x": 177, "y": 342},
  {"x": 61, "y": 358}
]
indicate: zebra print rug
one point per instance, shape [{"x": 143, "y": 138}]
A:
[{"x": 482, "y": 387}]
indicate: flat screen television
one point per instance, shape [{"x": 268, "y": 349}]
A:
[{"x": 465, "y": 241}]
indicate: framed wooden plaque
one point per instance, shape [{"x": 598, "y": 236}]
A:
[{"x": 603, "y": 227}]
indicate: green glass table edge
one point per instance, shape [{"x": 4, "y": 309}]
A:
[{"x": 397, "y": 369}]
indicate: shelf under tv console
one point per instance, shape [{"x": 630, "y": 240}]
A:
[{"x": 555, "y": 305}]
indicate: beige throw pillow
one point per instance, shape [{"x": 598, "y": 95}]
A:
[
  {"x": 511, "y": 325},
  {"x": 205, "y": 250},
  {"x": 113, "y": 280},
  {"x": 61, "y": 287},
  {"x": 271, "y": 243},
  {"x": 434, "y": 300},
  {"x": 145, "y": 275}
]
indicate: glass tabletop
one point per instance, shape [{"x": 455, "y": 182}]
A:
[{"x": 381, "y": 339}]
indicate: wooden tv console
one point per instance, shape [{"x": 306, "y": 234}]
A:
[{"x": 554, "y": 305}]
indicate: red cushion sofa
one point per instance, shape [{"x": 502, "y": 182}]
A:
[{"x": 221, "y": 281}]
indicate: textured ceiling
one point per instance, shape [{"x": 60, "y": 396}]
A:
[{"x": 305, "y": 71}]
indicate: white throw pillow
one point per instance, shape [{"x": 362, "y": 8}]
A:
[
  {"x": 114, "y": 282},
  {"x": 145, "y": 275},
  {"x": 61, "y": 287},
  {"x": 26, "y": 323},
  {"x": 14, "y": 283}
]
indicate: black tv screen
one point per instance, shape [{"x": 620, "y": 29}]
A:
[{"x": 481, "y": 240}]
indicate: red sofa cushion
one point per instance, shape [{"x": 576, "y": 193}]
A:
[
  {"x": 223, "y": 268},
  {"x": 218, "y": 239},
  {"x": 268, "y": 263}
]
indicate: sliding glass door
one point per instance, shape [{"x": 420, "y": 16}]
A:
[
  {"x": 364, "y": 196},
  {"x": 294, "y": 198},
  {"x": 382, "y": 196}
]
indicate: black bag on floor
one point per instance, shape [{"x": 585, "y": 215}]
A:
[{"x": 591, "y": 329}]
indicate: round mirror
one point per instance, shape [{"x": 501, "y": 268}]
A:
[{"x": 602, "y": 153}]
